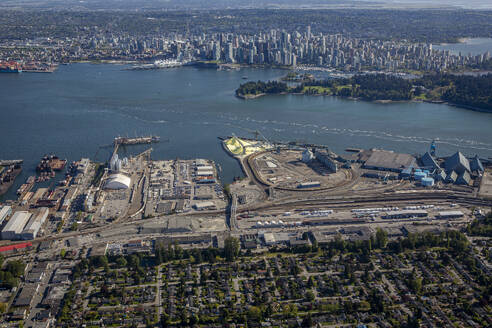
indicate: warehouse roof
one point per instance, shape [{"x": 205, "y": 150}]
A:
[
  {"x": 457, "y": 162},
  {"x": 389, "y": 160},
  {"x": 476, "y": 164},
  {"x": 17, "y": 221},
  {"x": 429, "y": 162},
  {"x": 450, "y": 213},
  {"x": 14, "y": 246},
  {"x": 464, "y": 178},
  {"x": 451, "y": 178}
]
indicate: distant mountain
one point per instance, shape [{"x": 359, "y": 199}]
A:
[{"x": 238, "y": 4}]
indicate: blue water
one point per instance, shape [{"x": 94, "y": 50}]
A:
[
  {"x": 81, "y": 107},
  {"x": 473, "y": 46}
]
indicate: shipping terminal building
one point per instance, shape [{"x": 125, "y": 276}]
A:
[{"x": 455, "y": 169}]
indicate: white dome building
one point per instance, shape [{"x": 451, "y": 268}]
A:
[{"x": 117, "y": 181}]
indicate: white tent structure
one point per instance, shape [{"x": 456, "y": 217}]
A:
[{"x": 117, "y": 181}]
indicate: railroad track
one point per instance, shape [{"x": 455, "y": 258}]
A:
[{"x": 354, "y": 201}]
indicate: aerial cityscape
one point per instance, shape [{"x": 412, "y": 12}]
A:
[{"x": 245, "y": 164}]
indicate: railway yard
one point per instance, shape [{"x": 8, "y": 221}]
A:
[{"x": 133, "y": 204}]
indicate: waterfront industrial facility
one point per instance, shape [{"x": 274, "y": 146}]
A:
[
  {"x": 92, "y": 195},
  {"x": 293, "y": 195}
]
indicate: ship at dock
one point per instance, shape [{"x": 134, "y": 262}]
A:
[
  {"x": 51, "y": 163},
  {"x": 10, "y": 67},
  {"x": 25, "y": 187},
  {"x": 8, "y": 174},
  {"x": 136, "y": 141},
  {"x": 159, "y": 64}
]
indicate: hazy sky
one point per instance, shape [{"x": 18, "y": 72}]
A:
[{"x": 472, "y": 4}]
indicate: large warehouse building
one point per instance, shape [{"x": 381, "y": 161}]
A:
[
  {"x": 457, "y": 163},
  {"x": 389, "y": 161},
  {"x": 14, "y": 227},
  {"x": 34, "y": 225},
  {"x": 4, "y": 213}
]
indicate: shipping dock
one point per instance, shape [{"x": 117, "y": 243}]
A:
[
  {"x": 24, "y": 188},
  {"x": 51, "y": 163},
  {"x": 35, "y": 67},
  {"x": 8, "y": 174},
  {"x": 9, "y": 162}
]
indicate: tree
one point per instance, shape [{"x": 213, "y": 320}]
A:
[
  {"x": 307, "y": 321},
  {"x": 121, "y": 262},
  {"x": 415, "y": 282},
  {"x": 231, "y": 248},
  {"x": 310, "y": 296},
  {"x": 165, "y": 320},
  {"x": 133, "y": 262},
  {"x": 193, "y": 320},
  {"x": 376, "y": 301},
  {"x": 381, "y": 238},
  {"x": 99, "y": 261},
  {"x": 16, "y": 268},
  {"x": 254, "y": 312}
]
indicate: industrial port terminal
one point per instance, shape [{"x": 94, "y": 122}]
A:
[{"x": 289, "y": 190}]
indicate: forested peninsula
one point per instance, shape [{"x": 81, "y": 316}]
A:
[{"x": 474, "y": 92}]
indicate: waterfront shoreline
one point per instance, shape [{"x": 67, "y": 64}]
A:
[
  {"x": 112, "y": 101},
  {"x": 379, "y": 101}
]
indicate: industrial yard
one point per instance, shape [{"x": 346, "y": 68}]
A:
[
  {"x": 293, "y": 198},
  {"x": 183, "y": 186},
  {"x": 289, "y": 170},
  {"x": 486, "y": 185}
]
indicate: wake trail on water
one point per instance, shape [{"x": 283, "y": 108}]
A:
[
  {"x": 285, "y": 129},
  {"x": 317, "y": 129}
]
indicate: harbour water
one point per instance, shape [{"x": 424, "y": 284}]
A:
[
  {"x": 473, "y": 46},
  {"x": 80, "y": 107}
]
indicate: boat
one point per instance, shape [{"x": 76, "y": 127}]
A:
[
  {"x": 24, "y": 188},
  {"x": 8, "y": 176},
  {"x": 163, "y": 63},
  {"x": 137, "y": 140},
  {"x": 10, "y": 67},
  {"x": 50, "y": 163}
]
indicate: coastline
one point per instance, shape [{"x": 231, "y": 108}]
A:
[
  {"x": 379, "y": 101},
  {"x": 250, "y": 96}
]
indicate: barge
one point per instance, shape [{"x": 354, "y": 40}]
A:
[
  {"x": 8, "y": 174},
  {"x": 136, "y": 141}
]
